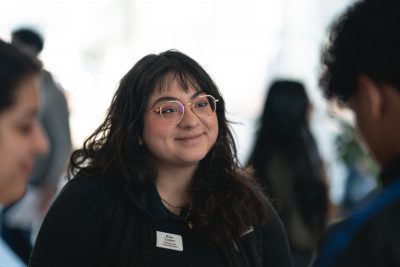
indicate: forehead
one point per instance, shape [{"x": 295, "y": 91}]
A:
[
  {"x": 174, "y": 91},
  {"x": 176, "y": 81},
  {"x": 27, "y": 95},
  {"x": 174, "y": 86}
]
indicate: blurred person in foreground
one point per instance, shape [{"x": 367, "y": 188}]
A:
[
  {"x": 22, "y": 219},
  {"x": 159, "y": 183},
  {"x": 287, "y": 163},
  {"x": 21, "y": 136},
  {"x": 362, "y": 71}
]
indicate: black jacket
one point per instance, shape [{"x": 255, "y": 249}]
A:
[
  {"x": 89, "y": 222},
  {"x": 370, "y": 237}
]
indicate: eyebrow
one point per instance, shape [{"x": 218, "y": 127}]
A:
[
  {"x": 171, "y": 98},
  {"x": 28, "y": 115},
  {"x": 31, "y": 113}
]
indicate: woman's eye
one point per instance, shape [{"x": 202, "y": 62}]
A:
[
  {"x": 25, "y": 129},
  {"x": 169, "y": 110},
  {"x": 201, "y": 104}
]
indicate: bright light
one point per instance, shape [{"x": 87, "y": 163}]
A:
[{"x": 242, "y": 44}]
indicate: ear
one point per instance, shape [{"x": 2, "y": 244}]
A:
[
  {"x": 372, "y": 94},
  {"x": 140, "y": 141}
]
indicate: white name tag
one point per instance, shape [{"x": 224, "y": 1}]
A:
[{"x": 169, "y": 241}]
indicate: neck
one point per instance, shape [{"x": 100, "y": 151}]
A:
[{"x": 173, "y": 185}]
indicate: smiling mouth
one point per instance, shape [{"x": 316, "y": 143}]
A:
[{"x": 189, "y": 137}]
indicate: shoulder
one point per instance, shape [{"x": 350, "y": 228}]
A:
[
  {"x": 273, "y": 219},
  {"x": 85, "y": 204},
  {"x": 380, "y": 235},
  {"x": 94, "y": 194},
  {"x": 372, "y": 228},
  {"x": 93, "y": 186},
  {"x": 79, "y": 219},
  {"x": 276, "y": 249}
]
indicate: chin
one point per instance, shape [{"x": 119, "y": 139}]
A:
[
  {"x": 19, "y": 189},
  {"x": 12, "y": 196},
  {"x": 190, "y": 161},
  {"x": 195, "y": 158}
]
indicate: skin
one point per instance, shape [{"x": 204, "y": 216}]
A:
[
  {"x": 178, "y": 148},
  {"x": 21, "y": 139},
  {"x": 376, "y": 109}
]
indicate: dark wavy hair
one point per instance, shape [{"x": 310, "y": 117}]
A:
[
  {"x": 14, "y": 68},
  {"x": 364, "y": 40},
  {"x": 225, "y": 199},
  {"x": 284, "y": 134}
]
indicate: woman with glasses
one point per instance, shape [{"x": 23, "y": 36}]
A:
[{"x": 159, "y": 184}]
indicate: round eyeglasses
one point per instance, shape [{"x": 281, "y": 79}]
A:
[{"x": 203, "y": 106}]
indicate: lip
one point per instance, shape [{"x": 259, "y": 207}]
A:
[{"x": 189, "y": 137}]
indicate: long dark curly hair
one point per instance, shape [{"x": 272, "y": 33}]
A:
[{"x": 225, "y": 199}]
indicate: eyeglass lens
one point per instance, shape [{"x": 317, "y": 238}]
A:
[{"x": 202, "y": 106}]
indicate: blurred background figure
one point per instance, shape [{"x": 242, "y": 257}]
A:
[
  {"x": 22, "y": 219},
  {"x": 21, "y": 136},
  {"x": 361, "y": 170},
  {"x": 287, "y": 162}
]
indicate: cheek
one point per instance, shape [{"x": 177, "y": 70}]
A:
[
  {"x": 10, "y": 157},
  {"x": 12, "y": 184},
  {"x": 154, "y": 135},
  {"x": 11, "y": 189},
  {"x": 213, "y": 128},
  {"x": 16, "y": 150},
  {"x": 8, "y": 149}
]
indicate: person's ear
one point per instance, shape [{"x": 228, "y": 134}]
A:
[
  {"x": 140, "y": 141},
  {"x": 372, "y": 94}
]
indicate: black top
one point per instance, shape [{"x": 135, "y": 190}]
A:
[
  {"x": 170, "y": 228},
  {"x": 76, "y": 227},
  {"x": 371, "y": 235}
]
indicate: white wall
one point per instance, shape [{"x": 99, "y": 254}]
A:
[{"x": 244, "y": 45}]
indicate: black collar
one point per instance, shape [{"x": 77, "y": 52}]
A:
[{"x": 150, "y": 201}]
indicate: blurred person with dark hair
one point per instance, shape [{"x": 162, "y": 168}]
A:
[
  {"x": 28, "y": 41},
  {"x": 21, "y": 220},
  {"x": 361, "y": 70},
  {"x": 159, "y": 183},
  {"x": 288, "y": 165},
  {"x": 21, "y": 136}
]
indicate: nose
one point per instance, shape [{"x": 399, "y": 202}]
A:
[
  {"x": 189, "y": 120},
  {"x": 41, "y": 144}
]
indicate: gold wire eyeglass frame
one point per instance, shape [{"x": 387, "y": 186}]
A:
[{"x": 190, "y": 105}]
